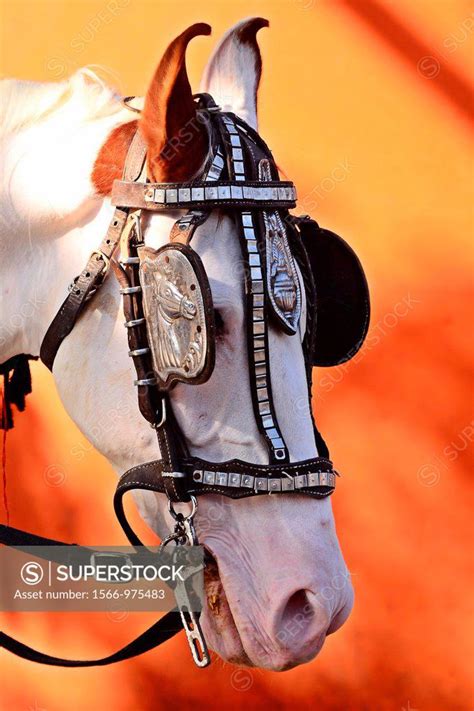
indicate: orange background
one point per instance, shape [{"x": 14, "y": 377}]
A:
[{"x": 382, "y": 89}]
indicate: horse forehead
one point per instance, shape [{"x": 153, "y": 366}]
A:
[{"x": 217, "y": 243}]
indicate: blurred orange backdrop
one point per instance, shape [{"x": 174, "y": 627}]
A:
[{"x": 367, "y": 107}]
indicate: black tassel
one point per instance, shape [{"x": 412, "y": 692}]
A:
[{"x": 16, "y": 386}]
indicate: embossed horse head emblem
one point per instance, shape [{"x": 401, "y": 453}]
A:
[
  {"x": 174, "y": 346},
  {"x": 172, "y": 302}
]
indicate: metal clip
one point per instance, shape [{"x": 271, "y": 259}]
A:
[{"x": 184, "y": 534}]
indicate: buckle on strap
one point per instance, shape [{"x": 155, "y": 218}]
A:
[
  {"x": 101, "y": 255},
  {"x": 121, "y": 559}
]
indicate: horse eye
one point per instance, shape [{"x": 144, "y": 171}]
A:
[{"x": 219, "y": 323}]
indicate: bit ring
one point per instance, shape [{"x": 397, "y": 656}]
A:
[{"x": 190, "y": 516}]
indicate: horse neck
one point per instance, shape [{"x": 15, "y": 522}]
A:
[
  {"x": 51, "y": 222},
  {"x": 35, "y": 274}
]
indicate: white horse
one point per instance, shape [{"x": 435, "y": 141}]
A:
[{"x": 281, "y": 583}]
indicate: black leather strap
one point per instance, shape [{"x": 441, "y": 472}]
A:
[
  {"x": 160, "y": 632},
  {"x": 82, "y": 289},
  {"x": 251, "y": 195},
  {"x": 85, "y": 285},
  {"x": 313, "y": 477}
]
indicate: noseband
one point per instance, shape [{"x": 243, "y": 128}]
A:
[{"x": 169, "y": 318}]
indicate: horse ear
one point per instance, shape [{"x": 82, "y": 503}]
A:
[
  {"x": 233, "y": 72},
  {"x": 177, "y": 143}
]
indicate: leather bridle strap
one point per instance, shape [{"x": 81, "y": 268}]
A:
[
  {"x": 226, "y": 194},
  {"x": 85, "y": 285},
  {"x": 166, "y": 627},
  {"x": 235, "y": 478},
  {"x": 160, "y": 632},
  {"x": 82, "y": 288}
]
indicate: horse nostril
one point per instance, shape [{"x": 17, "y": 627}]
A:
[
  {"x": 297, "y": 606},
  {"x": 219, "y": 323}
]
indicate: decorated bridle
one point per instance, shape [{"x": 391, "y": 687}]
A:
[{"x": 169, "y": 318}]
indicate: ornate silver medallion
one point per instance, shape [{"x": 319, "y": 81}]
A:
[
  {"x": 178, "y": 309},
  {"x": 282, "y": 278}
]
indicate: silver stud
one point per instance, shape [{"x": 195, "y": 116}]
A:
[
  {"x": 261, "y": 484},
  {"x": 197, "y": 194},
  {"x": 138, "y": 352},
  {"x": 221, "y": 478},
  {"x": 264, "y": 408},
  {"x": 288, "y": 484},
  {"x": 131, "y": 290},
  {"x": 171, "y": 195},
  {"x": 313, "y": 479},
  {"x": 197, "y": 475},
  {"x": 145, "y": 381},
  {"x": 223, "y": 192},
  {"x": 210, "y": 193},
  {"x": 236, "y": 192},
  {"x": 274, "y": 484},
  {"x": 301, "y": 481},
  {"x": 234, "y": 480},
  {"x": 248, "y": 481},
  {"x": 277, "y": 443},
  {"x": 134, "y": 322},
  {"x": 184, "y": 194},
  {"x": 209, "y": 477}
]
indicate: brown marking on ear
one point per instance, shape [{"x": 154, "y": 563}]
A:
[
  {"x": 247, "y": 34},
  {"x": 110, "y": 160},
  {"x": 233, "y": 57},
  {"x": 177, "y": 142}
]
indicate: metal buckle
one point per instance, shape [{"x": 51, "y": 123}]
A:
[
  {"x": 161, "y": 422},
  {"x": 105, "y": 259},
  {"x": 106, "y": 554}
]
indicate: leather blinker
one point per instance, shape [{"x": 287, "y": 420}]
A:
[{"x": 342, "y": 295}]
